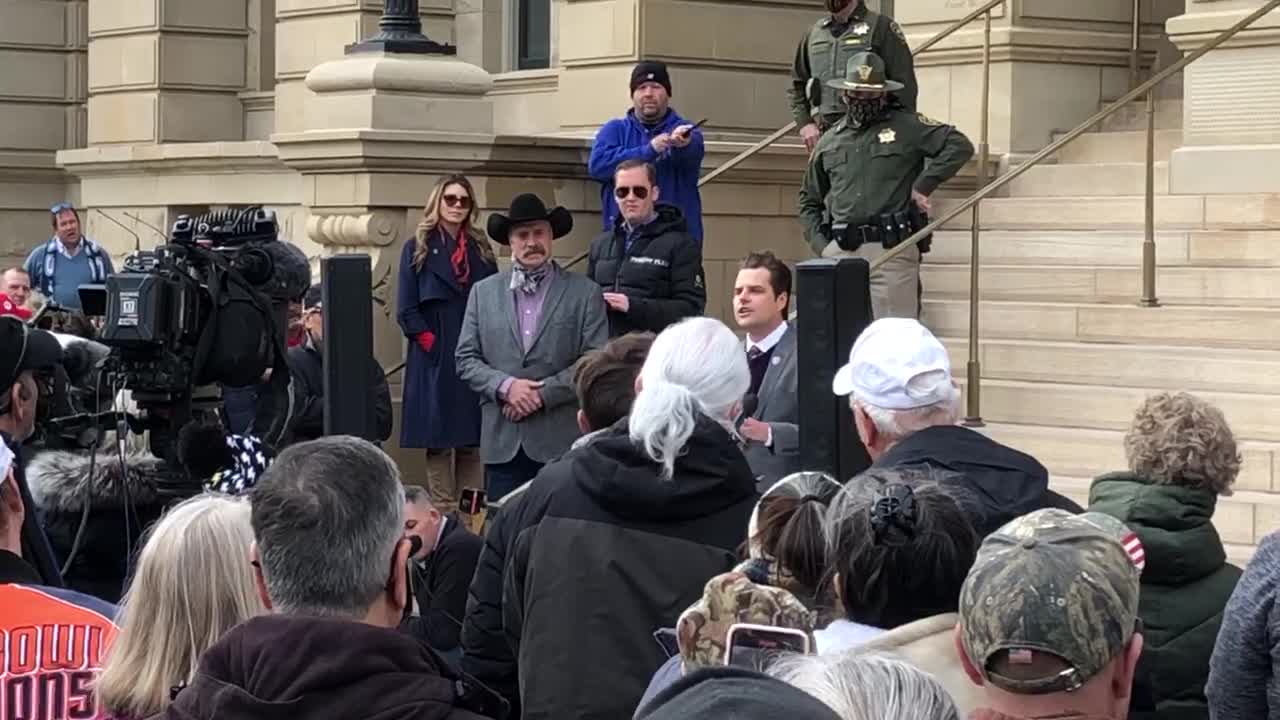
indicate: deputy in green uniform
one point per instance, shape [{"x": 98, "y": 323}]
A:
[
  {"x": 825, "y": 51},
  {"x": 867, "y": 187}
]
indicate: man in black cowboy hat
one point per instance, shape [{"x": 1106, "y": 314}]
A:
[
  {"x": 867, "y": 187},
  {"x": 522, "y": 333},
  {"x": 849, "y": 29}
]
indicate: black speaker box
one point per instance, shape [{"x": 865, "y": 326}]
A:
[
  {"x": 347, "y": 301},
  {"x": 833, "y": 303}
]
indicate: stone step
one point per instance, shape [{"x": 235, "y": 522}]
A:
[
  {"x": 1170, "y": 325},
  {"x": 1103, "y": 178},
  {"x": 1134, "y": 117},
  {"x": 1177, "y": 285},
  {"x": 1253, "y": 416},
  {"x": 1086, "y": 453},
  {"x": 1155, "y": 367},
  {"x": 1115, "y": 247},
  {"x": 1242, "y": 519},
  {"x": 1118, "y": 147},
  {"x": 1192, "y": 212}
]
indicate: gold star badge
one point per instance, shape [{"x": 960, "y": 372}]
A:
[
  {"x": 864, "y": 72},
  {"x": 888, "y": 135}
]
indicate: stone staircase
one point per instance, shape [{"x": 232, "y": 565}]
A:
[{"x": 1067, "y": 354}]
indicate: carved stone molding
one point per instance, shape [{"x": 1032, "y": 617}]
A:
[{"x": 379, "y": 228}]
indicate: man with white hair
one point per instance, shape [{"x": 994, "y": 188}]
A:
[{"x": 906, "y": 407}]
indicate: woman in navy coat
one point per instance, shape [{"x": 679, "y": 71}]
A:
[{"x": 438, "y": 268}]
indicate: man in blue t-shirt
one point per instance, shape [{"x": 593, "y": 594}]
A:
[{"x": 68, "y": 260}]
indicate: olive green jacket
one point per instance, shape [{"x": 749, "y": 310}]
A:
[
  {"x": 857, "y": 174},
  {"x": 824, "y": 56},
  {"x": 1185, "y": 586}
]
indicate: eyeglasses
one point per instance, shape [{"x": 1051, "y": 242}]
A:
[
  {"x": 457, "y": 201},
  {"x": 641, "y": 192}
]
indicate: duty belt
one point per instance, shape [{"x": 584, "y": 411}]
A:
[{"x": 888, "y": 230}]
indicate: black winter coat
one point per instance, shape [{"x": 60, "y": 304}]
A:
[
  {"x": 307, "y": 366},
  {"x": 440, "y": 584},
  {"x": 122, "y": 506},
  {"x": 619, "y": 553},
  {"x": 661, "y": 273},
  {"x": 1001, "y": 483}
]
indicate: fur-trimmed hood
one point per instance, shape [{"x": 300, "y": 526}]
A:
[{"x": 59, "y": 479}]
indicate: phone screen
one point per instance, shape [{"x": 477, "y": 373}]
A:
[{"x": 757, "y": 648}]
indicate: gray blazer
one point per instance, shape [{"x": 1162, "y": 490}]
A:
[
  {"x": 490, "y": 350},
  {"x": 780, "y": 408}
]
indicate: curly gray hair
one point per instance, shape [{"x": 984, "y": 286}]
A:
[{"x": 1180, "y": 439}]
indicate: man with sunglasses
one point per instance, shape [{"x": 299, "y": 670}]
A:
[
  {"x": 651, "y": 132},
  {"x": 27, "y": 358},
  {"x": 68, "y": 260},
  {"x": 648, "y": 264}
]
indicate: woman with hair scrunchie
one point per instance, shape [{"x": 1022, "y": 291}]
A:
[
  {"x": 899, "y": 544},
  {"x": 438, "y": 267}
]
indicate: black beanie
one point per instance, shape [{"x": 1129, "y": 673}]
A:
[
  {"x": 731, "y": 692},
  {"x": 650, "y": 71}
]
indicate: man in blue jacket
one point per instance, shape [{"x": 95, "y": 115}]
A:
[{"x": 654, "y": 133}]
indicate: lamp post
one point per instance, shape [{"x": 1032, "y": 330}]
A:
[{"x": 400, "y": 31}]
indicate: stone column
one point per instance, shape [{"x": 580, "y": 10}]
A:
[
  {"x": 1231, "y": 110},
  {"x": 311, "y": 32},
  {"x": 166, "y": 70},
  {"x": 42, "y": 95}
]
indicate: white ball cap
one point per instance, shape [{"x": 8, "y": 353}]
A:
[{"x": 896, "y": 364}]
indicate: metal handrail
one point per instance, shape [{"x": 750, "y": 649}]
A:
[
  {"x": 1147, "y": 89},
  {"x": 785, "y": 130},
  {"x": 1079, "y": 130}
]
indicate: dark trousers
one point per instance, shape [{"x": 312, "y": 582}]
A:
[{"x": 502, "y": 478}]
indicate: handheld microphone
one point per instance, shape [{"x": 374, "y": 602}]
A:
[{"x": 750, "y": 402}]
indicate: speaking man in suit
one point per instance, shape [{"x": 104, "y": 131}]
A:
[
  {"x": 761, "y": 297},
  {"x": 522, "y": 333}
]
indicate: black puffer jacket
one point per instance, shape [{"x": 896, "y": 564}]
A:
[
  {"x": 661, "y": 273},
  {"x": 619, "y": 553}
]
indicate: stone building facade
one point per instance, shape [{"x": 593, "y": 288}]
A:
[{"x": 140, "y": 110}]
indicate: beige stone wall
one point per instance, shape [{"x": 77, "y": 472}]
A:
[
  {"x": 1231, "y": 116},
  {"x": 42, "y": 96}
]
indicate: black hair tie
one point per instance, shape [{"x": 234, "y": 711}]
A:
[{"x": 894, "y": 507}]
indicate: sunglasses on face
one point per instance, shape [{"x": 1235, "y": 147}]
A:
[
  {"x": 641, "y": 192},
  {"x": 457, "y": 201}
]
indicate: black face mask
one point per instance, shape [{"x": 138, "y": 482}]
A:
[{"x": 863, "y": 112}]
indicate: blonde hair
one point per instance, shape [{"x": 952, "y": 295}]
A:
[
  {"x": 431, "y": 219},
  {"x": 1179, "y": 439},
  {"x": 193, "y": 582}
]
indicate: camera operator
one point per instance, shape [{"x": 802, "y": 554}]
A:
[
  {"x": 306, "y": 363},
  {"x": 26, "y": 356}
]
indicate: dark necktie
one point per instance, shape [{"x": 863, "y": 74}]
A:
[{"x": 754, "y": 353}]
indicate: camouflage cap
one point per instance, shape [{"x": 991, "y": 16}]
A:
[
  {"x": 730, "y": 599},
  {"x": 1054, "y": 583}
]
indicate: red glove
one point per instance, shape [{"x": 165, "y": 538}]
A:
[{"x": 426, "y": 340}]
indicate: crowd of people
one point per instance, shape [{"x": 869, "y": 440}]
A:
[{"x": 615, "y": 520}]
